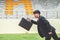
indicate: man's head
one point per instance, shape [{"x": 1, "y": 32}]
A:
[{"x": 36, "y": 13}]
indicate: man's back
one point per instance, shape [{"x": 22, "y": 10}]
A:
[{"x": 44, "y": 25}]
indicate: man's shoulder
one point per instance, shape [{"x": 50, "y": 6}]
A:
[{"x": 42, "y": 17}]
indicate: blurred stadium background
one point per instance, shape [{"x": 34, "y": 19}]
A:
[{"x": 11, "y": 12}]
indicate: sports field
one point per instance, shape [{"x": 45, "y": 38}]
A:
[{"x": 21, "y": 37}]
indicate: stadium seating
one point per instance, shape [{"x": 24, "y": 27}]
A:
[{"x": 19, "y": 8}]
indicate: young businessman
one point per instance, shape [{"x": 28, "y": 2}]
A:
[{"x": 44, "y": 27}]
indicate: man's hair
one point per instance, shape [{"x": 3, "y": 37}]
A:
[{"x": 36, "y": 11}]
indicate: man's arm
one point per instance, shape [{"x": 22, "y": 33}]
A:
[
  {"x": 33, "y": 21},
  {"x": 47, "y": 24}
]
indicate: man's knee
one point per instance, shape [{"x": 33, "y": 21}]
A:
[{"x": 48, "y": 38}]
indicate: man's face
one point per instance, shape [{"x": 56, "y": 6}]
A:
[{"x": 36, "y": 15}]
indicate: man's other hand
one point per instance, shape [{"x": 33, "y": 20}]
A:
[{"x": 50, "y": 33}]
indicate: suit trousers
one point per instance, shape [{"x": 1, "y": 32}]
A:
[{"x": 53, "y": 35}]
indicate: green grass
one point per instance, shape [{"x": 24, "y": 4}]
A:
[{"x": 21, "y": 37}]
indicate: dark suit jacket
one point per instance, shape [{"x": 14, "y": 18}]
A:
[{"x": 43, "y": 26}]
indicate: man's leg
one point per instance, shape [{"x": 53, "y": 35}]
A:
[
  {"x": 54, "y": 35},
  {"x": 48, "y": 37}
]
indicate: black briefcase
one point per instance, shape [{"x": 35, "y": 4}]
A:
[{"x": 25, "y": 24}]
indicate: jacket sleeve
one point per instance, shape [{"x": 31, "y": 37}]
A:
[
  {"x": 47, "y": 24},
  {"x": 34, "y": 22}
]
